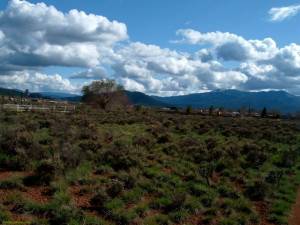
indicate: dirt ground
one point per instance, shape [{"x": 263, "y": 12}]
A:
[{"x": 295, "y": 213}]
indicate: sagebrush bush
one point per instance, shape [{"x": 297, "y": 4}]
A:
[
  {"x": 121, "y": 156},
  {"x": 257, "y": 191},
  {"x": 99, "y": 200},
  {"x": 147, "y": 167},
  {"x": 115, "y": 189}
]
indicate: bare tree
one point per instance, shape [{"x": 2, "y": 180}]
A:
[{"x": 106, "y": 94}]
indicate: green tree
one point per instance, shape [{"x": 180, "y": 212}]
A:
[
  {"x": 264, "y": 112},
  {"x": 188, "y": 110},
  {"x": 211, "y": 110}
]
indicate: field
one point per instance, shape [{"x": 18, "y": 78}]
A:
[{"x": 146, "y": 167}]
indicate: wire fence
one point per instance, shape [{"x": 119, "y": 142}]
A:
[{"x": 47, "y": 108}]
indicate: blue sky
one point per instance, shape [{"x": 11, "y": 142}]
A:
[
  {"x": 155, "y": 21},
  {"x": 154, "y": 24}
]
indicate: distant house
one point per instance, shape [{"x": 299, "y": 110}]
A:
[{"x": 235, "y": 114}]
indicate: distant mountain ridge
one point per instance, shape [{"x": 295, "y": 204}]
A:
[
  {"x": 139, "y": 98},
  {"x": 11, "y": 92},
  {"x": 58, "y": 95},
  {"x": 234, "y": 99},
  {"x": 229, "y": 99}
]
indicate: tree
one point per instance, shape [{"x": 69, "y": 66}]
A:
[
  {"x": 104, "y": 94},
  {"x": 243, "y": 110},
  {"x": 264, "y": 112},
  {"x": 275, "y": 114},
  {"x": 211, "y": 110},
  {"x": 188, "y": 110},
  {"x": 26, "y": 93},
  {"x": 297, "y": 115}
]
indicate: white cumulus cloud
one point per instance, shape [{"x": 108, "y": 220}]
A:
[
  {"x": 261, "y": 63},
  {"x": 41, "y": 35},
  {"x": 36, "y": 36},
  {"x": 230, "y": 46},
  {"x": 36, "y": 81},
  {"x": 278, "y": 14}
]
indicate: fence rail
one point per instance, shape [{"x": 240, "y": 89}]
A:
[{"x": 25, "y": 108}]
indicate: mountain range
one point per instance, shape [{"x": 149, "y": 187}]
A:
[
  {"x": 229, "y": 99},
  {"x": 234, "y": 99}
]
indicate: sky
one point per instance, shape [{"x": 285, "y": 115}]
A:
[{"x": 169, "y": 47}]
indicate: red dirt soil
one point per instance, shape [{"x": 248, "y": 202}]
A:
[
  {"x": 37, "y": 194},
  {"x": 4, "y": 194},
  {"x": 8, "y": 174},
  {"x": 192, "y": 220},
  {"x": 295, "y": 213},
  {"x": 81, "y": 201},
  {"x": 262, "y": 209},
  {"x": 25, "y": 219}
]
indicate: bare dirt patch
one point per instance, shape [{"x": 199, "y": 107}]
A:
[
  {"x": 4, "y": 175},
  {"x": 192, "y": 220},
  {"x": 295, "y": 213},
  {"x": 37, "y": 194},
  {"x": 262, "y": 209},
  {"x": 24, "y": 219},
  {"x": 80, "y": 200}
]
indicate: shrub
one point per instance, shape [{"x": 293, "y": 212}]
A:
[
  {"x": 103, "y": 169},
  {"x": 142, "y": 141},
  {"x": 3, "y": 215},
  {"x": 90, "y": 145},
  {"x": 43, "y": 175},
  {"x": 229, "y": 221},
  {"x": 178, "y": 216},
  {"x": 211, "y": 143},
  {"x": 140, "y": 210},
  {"x": 133, "y": 195},
  {"x": 161, "y": 219},
  {"x": 16, "y": 201},
  {"x": 226, "y": 191},
  {"x": 206, "y": 171},
  {"x": 278, "y": 219},
  {"x": 170, "y": 149},
  {"x": 162, "y": 139},
  {"x": 207, "y": 201},
  {"x": 8, "y": 141},
  {"x": 128, "y": 180},
  {"x": 71, "y": 156},
  {"x": 65, "y": 214},
  {"x": 112, "y": 209},
  {"x": 99, "y": 200},
  {"x": 287, "y": 158},
  {"x": 80, "y": 175},
  {"x": 115, "y": 189},
  {"x": 119, "y": 156},
  {"x": 12, "y": 183},
  {"x": 255, "y": 158},
  {"x": 257, "y": 191},
  {"x": 177, "y": 201},
  {"x": 198, "y": 189},
  {"x": 37, "y": 221},
  {"x": 274, "y": 177}
]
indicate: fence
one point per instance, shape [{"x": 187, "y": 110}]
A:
[{"x": 26, "y": 108}]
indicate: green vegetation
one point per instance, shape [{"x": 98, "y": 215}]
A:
[{"x": 146, "y": 167}]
